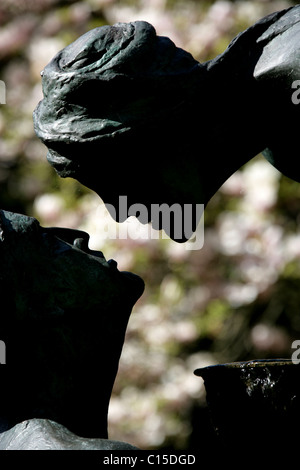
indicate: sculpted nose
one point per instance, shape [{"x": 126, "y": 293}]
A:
[{"x": 12, "y": 223}]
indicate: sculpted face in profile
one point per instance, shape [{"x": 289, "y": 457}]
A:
[
  {"x": 64, "y": 312},
  {"x": 126, "y": 112}
]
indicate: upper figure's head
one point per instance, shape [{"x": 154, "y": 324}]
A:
[
  {"x": 126, "y": 112},
  {"x": 111, "y": 80},
  {"x": 117, "y": 107}
]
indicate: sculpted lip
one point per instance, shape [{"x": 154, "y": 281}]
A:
[{"x": 135, "y": 283}]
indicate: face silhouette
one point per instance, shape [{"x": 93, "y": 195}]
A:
[
  {"x": 64, "y": 312},
  {"x": 61, "y": 271}
]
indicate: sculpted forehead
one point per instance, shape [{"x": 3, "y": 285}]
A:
[
  {"x": 99, "y": 46},
  {"x": 16, "y": 223},
  {"x": 81, "y": 82}
]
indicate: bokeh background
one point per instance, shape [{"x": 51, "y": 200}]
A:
[{"x": 237, "y": 298}]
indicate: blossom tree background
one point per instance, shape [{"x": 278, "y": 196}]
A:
[{"x": 237, "y": 298}]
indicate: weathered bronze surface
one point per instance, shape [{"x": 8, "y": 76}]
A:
[
  {"x": 44, "y": 434},
  {"x": 126, "y": 112}
]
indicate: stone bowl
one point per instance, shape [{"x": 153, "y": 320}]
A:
[{"x": 254, "y": 401}]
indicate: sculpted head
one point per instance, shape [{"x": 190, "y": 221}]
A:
[
  {"x": 117, "y": 112},
  {"x": 126, "y": 112},
  {"x": 64, "y": 313},
  {"x": 62, "y": 273}
]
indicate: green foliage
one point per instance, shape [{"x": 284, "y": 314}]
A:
[{"x": 210, "y": 322}]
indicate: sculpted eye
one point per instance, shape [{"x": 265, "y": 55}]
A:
[
  {"x": 69, "y": 235},
  {"x": 83, "y": 59}
]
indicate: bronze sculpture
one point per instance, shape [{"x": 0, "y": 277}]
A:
[
  {"x": 64, "y": 312},
  {"x": 122, "y": 91}
]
